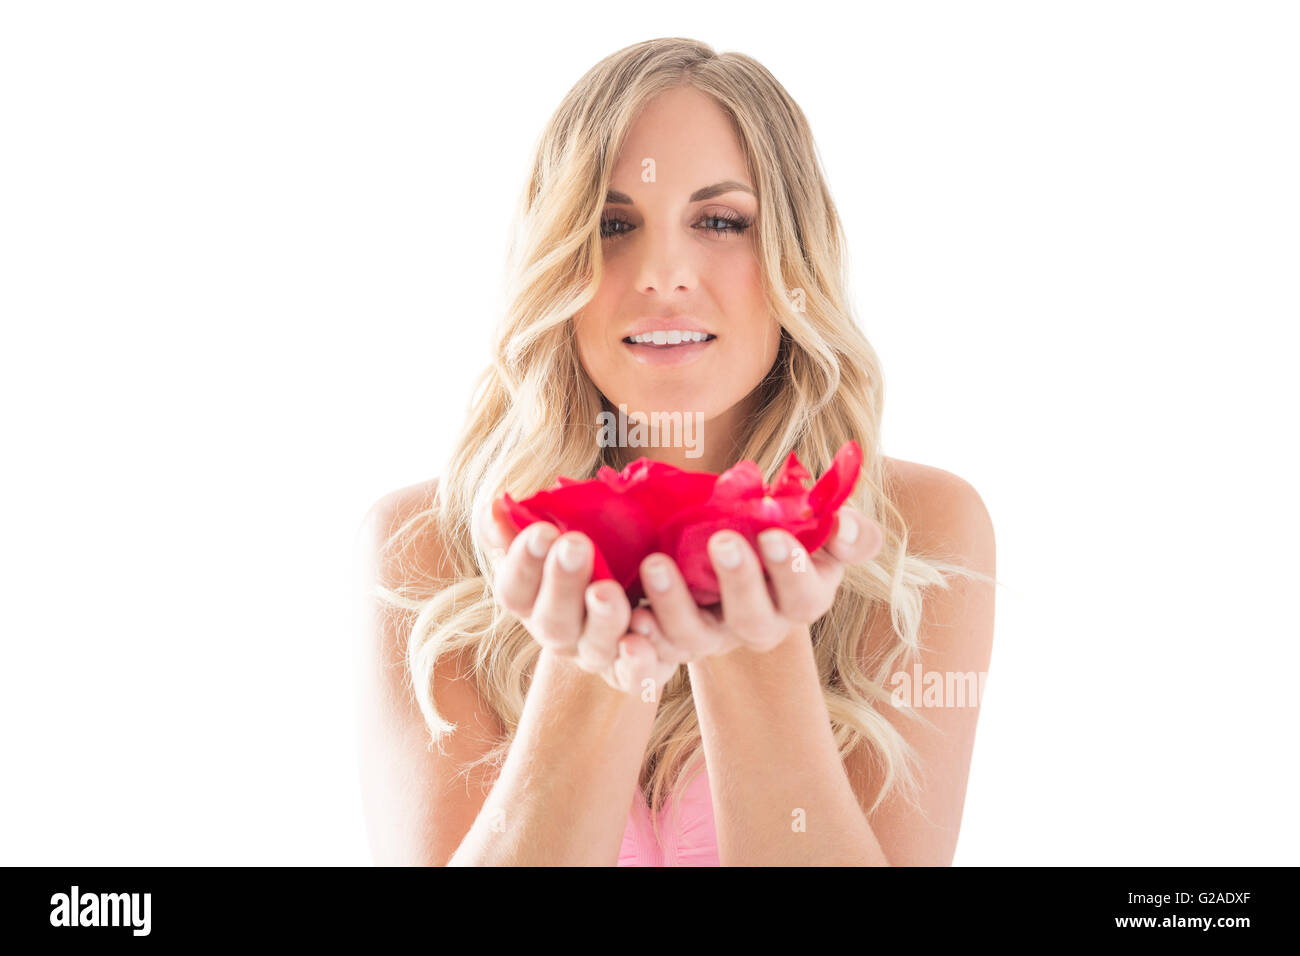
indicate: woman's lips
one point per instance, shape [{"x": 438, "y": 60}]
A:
[{"x": 678, "y": 354}]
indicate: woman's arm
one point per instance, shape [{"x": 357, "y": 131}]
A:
[
  {"x": 781, "y": 796},
  {"x": 767, "y": 735},
  {"x": 567, "y": 784},
  {"x": 569, "y": 780}
]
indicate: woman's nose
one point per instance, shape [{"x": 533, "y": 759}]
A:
[{"x": 666, "y": 263}]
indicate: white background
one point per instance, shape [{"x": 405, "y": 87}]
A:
[{"x": 250, "y": 254}]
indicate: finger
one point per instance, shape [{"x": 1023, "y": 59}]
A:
[
  {"x": 666, "y": 656},
  {"x": 747, "y": 608},
  {"x": 643, "y": 622},
  {"x": 803, "y": 591},
  {"x": 559, "y": 612},
  {"x": 855, "y": 539},
  {"x": 608, "y": 614},
  {"x": 637, "y": 663},
  {"x": 518, "y": 576},
  {"x": 496, "y": 534},
  {"x": 675, "y": 610}
]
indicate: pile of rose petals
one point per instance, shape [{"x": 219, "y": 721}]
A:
[{"x": 651, "y": 507}]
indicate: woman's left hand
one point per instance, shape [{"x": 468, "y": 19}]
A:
[{"x": 753, "y": 613}]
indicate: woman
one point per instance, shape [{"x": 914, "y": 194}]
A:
[{"x": 674, "y": 190}]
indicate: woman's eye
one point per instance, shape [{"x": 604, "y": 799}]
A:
[
  {"x": 721, "y": 225},
  {"x": 608, "y": 224}
]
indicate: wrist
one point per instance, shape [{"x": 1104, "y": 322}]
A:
[
  {"x": 796, "y": 645},
  {"x": 562, "y": 672}
]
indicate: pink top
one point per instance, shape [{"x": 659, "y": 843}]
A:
[{"x": 693, "y": 842}]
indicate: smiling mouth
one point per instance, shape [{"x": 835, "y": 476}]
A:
[{"x": 668, "y": 345}]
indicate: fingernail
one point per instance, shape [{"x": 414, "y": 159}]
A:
[
  {"x": 657, "y": 572},
  {"x": 539, "y": 540},
  {"x": 727, "y": 553},
  {"x": 642, "y": 627},
  {"x": 599, "y": 603},
  {"x": 774, "y": 546},
  {"x": 848, "y": 528},
  {"x": 572, "y": 551}
]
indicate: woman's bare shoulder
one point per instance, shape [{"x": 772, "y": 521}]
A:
[
  {"x": 943, "y": 511},
  {"x": 397, "y": 538},
  {"x": 408, "y": 500}
]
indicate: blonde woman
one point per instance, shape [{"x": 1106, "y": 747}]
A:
[{"x": 504, "y": 707}]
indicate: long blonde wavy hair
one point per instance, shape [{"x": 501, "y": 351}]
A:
[{"x": 533, "y": 415}]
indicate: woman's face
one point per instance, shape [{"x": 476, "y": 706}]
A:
[{"x": 680, "y": 254}]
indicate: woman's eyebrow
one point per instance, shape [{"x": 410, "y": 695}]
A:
[{"x": 708, "y": 192}]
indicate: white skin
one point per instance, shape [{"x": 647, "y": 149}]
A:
[{"x": 664, "y": 253}]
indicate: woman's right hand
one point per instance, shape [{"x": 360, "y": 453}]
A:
[{"x": 544, "y": 578}]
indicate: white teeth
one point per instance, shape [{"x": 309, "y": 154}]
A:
[{"x": 669, "y": 337}]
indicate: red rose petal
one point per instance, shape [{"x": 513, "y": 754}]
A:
[
  {"x": 651, "y": 506},
  {"x": 790, "y": 479},
  {"x": 834, "y": 487},
  {"x": 741, "y": 481},
  {"x": 618, "y": 529}
]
